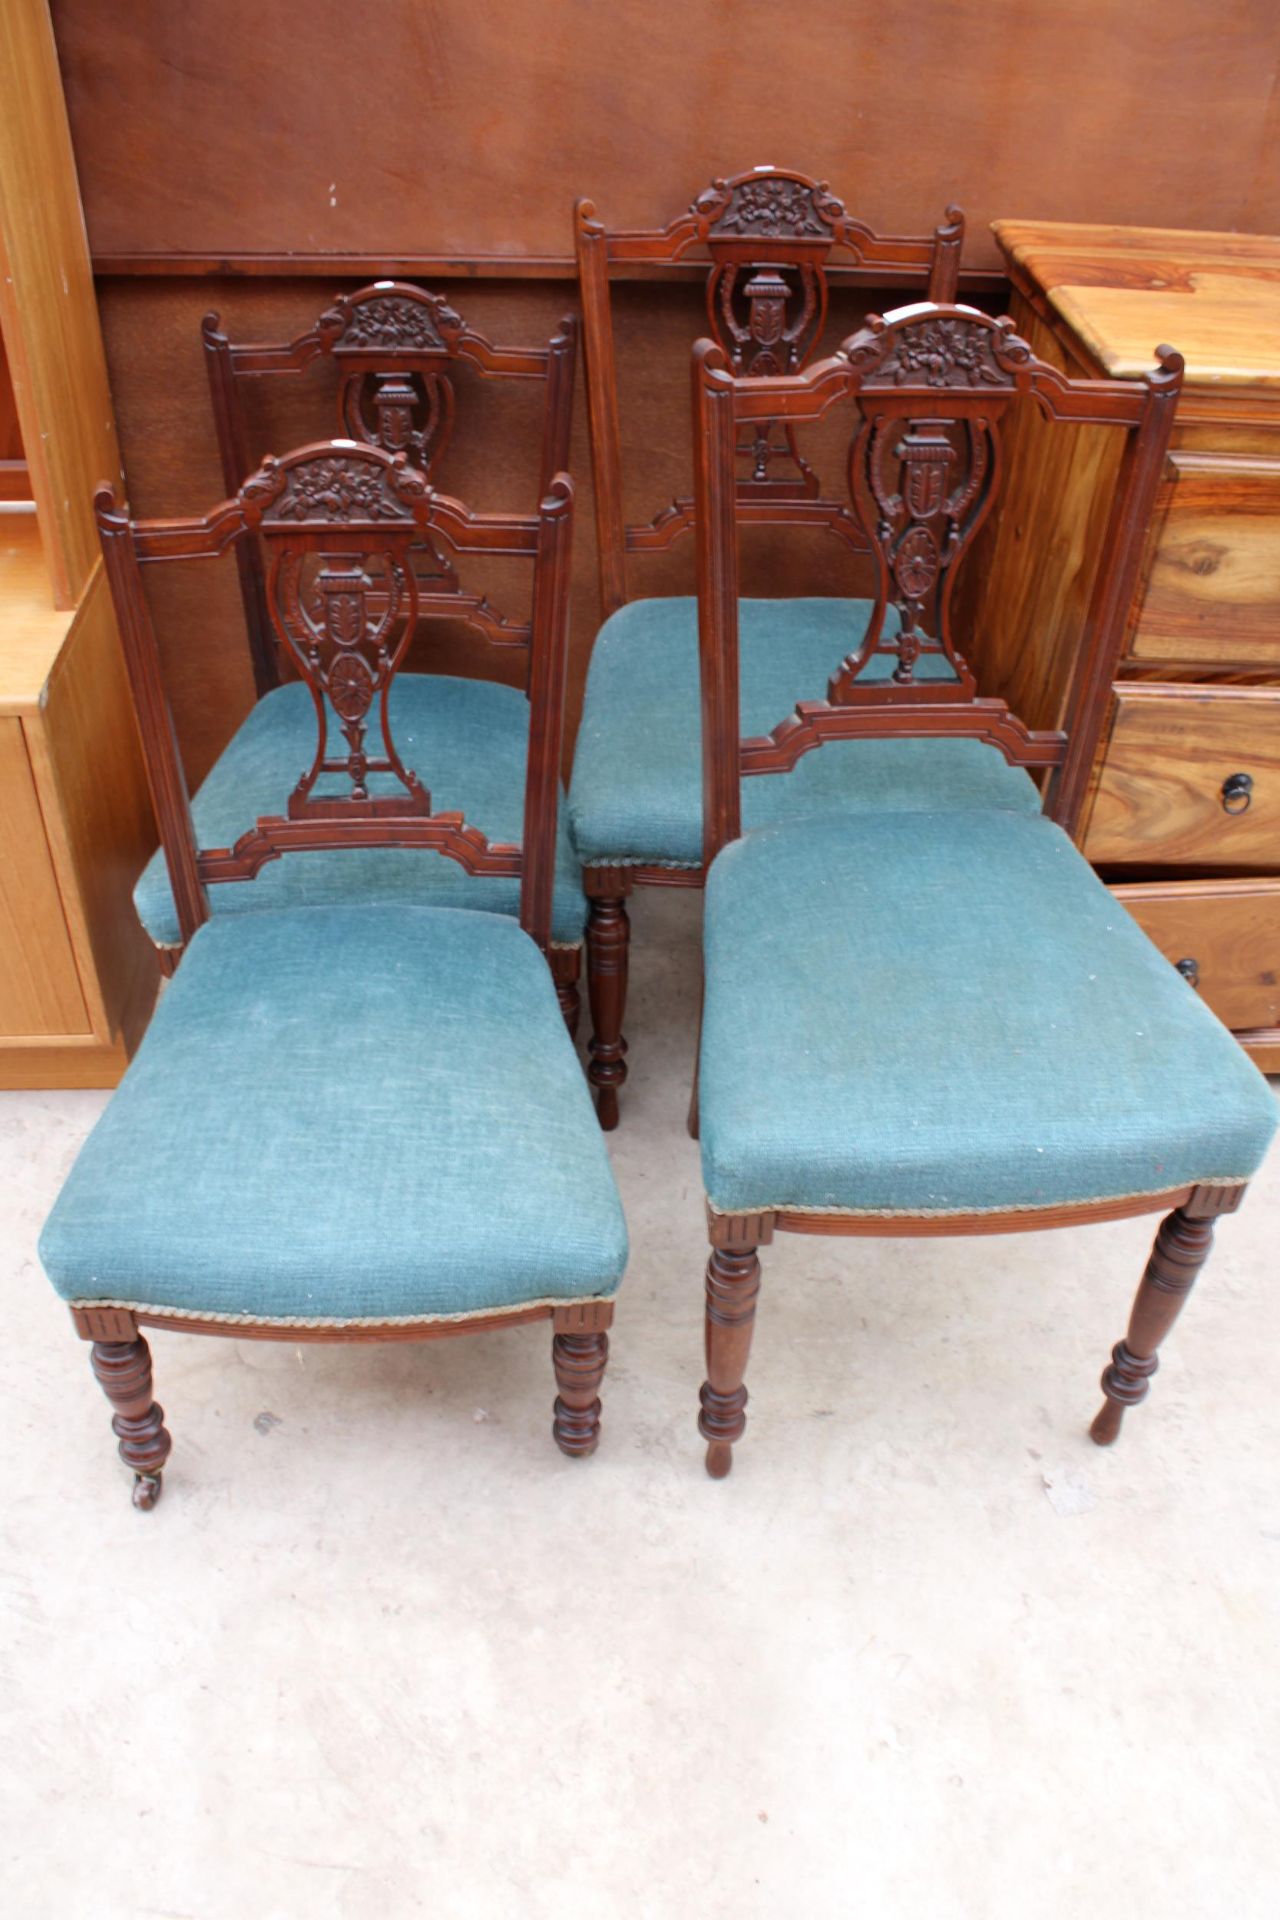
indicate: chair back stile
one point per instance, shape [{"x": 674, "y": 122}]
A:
[
  {"x": 339, "y": 521},
  {"x": 396, "y": 348},
  {"x": 927, "y": 389},
  {"x": 770, "y": 241}
]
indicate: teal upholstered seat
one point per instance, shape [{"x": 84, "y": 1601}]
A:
[
  {"x": 467, "y": 739},
  {"x": 346, "y": 1113},
  {"x": 949, "y": 1012},
  {"x": 636, "y": 793}
]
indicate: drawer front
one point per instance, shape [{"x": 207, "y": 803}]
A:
[
  {"x": 1212, "y": 591},
  {"x": 1226, "y": 935},
  {"x": 1191, "y": 778}
]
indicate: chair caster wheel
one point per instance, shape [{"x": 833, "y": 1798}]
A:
[{"x": 146, "y": 1491}]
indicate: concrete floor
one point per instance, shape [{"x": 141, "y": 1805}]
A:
[{"x": 382, "y": 1651}]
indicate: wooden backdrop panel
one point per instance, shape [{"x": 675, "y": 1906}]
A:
[{"x": 412, "y": 127}]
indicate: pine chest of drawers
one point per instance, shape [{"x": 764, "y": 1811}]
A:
[{"x": 1183, "y": 816}]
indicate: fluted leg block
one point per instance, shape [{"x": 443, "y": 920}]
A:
[
  {"x": 608, "y": 949},
  {"x": 123, "y": 1371},
  {"x": 579, "y": 1360},
  {"x": 570, "y": 1004},
  {"x": 1181, "y": 1248},
  {"x": 733, "y": 1284}
]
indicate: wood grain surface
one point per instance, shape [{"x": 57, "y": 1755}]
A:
[
  {"x": 39, "y": 986},
  {"x": 1215, "y": 296},
  {"x": 1160, "y": 800},
  {"x": 251, "y": 125},
  {"x": 52, "y": 342},
  {"x": 1212, "y": 592}
]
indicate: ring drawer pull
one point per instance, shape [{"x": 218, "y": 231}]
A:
[
  {"x": 1190, "y": 971},
  {"x": 1237, "y": 792}
]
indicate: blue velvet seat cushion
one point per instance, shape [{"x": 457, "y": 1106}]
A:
[
  {"x": 949, "y": 1012},
  {"x": 465, "y": 739},
  {"x": 636, "y": 792},
  {"x": 346, "y": 1113}
]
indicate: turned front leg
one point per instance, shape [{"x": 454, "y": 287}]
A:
[
  {"x": 1181, "y": 1249},
  {"x": 579, "y": 1360},
  {"x": 608, "y": 952},
  {"x": 733, "y": 1284},
  {"x": 123, "y": 1371}
]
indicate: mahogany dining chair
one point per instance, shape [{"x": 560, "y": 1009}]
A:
[
  {"x": 351, "y": 1119},
  {"x": 770, "y": 245},
  {"x": 937, "y": 1022},
  {"x": 404, "y": 367}
]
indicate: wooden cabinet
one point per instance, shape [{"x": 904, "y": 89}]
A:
[
  {"x": 1184, "y": 809},
  {"x": 77, "y": 975}
]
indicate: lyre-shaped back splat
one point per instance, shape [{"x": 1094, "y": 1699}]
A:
[
  {"x": 396, "y": 349},
  {"x": 385, "y": 339},
  {"x": 346, "y": 607},
  {"x": 929, "y": 386},
  {"x": 770, "y": 240},
  {"x": 778, "y": 229},
  {"x": 922, "y": 480},
  {"x": 769, "y": 235},
  {"x": 338, "y": 522}
]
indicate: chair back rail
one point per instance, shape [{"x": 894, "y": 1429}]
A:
[
  {"x": 927, "y": 388},
  {"x": 396, "y": 347},
  {"x": 338, "y": 522},
  {"x": 770, "y": 240}
]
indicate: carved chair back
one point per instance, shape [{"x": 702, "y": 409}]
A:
[
  {"x": 339, "y": 522},
  {"x": 397, "y": 350},
  {"x": 928, "y": 390},
  {"x": 769, "y": 241}
]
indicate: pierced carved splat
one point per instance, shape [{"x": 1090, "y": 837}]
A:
[
  {"x": 411, "y": 413},
  {"x": 920, "y": 489},
  {"x": 346, "y": 610},
  {"x": 769, "y": 235},
  {"x": 922, "y": 481},
  {"x": 392, "y": 345},
  {"x": 401, "y": 402},
  {"x": 929, "y": 386},
  {"x": 347, "y": 620},
  {"x": 337, "y": 521},
  {"x": 396, "y": 349},
  {"x": 769, "y": 325}
]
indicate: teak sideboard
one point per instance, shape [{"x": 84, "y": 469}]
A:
[{"x": 1183, "y": 813}]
